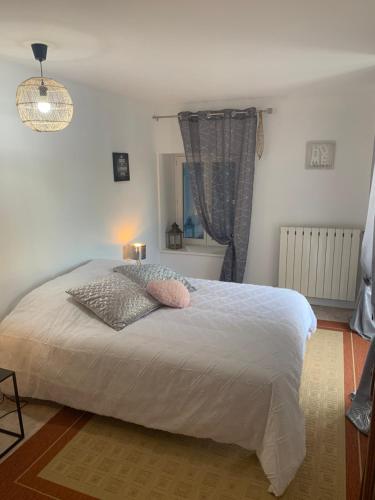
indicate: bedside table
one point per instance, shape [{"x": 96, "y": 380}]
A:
[{"x": 4, "y": 374}]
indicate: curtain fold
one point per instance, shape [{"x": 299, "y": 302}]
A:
[
  {"x": 361, "y": 407},
  {"x": 220, "y": 152},
  {"x": 363, "y": 318}
]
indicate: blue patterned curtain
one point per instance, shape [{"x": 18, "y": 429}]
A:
[{"x": 220, "y": 151}]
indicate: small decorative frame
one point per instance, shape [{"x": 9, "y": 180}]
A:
[
  {"x": 121, "y": 170},
  {"x": 320, "y": 154}
]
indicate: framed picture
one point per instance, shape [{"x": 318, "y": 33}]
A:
[
  {"x": 320, "y": 154},
  {"x": 121, "y": 171}
]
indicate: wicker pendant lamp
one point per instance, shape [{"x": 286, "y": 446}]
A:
[{"x": 43, "y": 104}]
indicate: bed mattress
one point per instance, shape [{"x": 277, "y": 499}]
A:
[{"x": 228, "y": 367}]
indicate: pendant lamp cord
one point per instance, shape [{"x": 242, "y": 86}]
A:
[{"x": 41, "y": 71}]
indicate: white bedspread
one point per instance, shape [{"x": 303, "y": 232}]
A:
[{"x": 226, "y": 368}]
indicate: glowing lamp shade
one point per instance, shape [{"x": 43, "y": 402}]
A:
[
  {"x": 44, "y": 104},
  {"x": 139, "y": 251}
]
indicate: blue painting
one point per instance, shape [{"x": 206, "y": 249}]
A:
[{"x": 192, "y": 227}]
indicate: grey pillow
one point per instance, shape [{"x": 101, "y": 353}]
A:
[
  {"x": 116, "y": 300},
  {"x": 145, "y": 273}
]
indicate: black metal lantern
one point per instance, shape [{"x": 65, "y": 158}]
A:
[{"x": 174, "y": 237}]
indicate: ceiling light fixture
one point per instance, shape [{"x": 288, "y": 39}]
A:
[{"x": 43, "y": 104}]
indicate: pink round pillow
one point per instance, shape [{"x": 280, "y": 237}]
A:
[{"x": 171, "y": 293}]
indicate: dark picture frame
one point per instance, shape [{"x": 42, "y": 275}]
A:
[{"x": 121, "y": 169}]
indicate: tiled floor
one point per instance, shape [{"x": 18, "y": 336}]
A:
[{"x": 34, "y": 414}]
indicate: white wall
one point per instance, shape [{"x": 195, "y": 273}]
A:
[
  {"x": 59, "y": 204},
  {"x": 285, "y": 193},
  {"x": 166, "y": 165},
  {"x": 193, "y": 265}
]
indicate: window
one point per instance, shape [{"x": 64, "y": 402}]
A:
[
  {"x": 187, "y": 217},
  {"x": 192, "y": 227}
]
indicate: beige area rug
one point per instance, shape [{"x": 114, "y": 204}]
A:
[{"x": 110, "y": 459}]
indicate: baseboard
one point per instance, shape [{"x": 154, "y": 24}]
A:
[{"x": 342, "y": 304}]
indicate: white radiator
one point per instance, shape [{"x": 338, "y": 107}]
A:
[{"x": 320, "y": 262}]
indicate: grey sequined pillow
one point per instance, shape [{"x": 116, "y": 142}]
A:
[
  {"x": 116, "y": 300},
  {"x": 145, "y": 273}
]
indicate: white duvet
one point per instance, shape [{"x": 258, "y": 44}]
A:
[{"x": 227, "y": 368}]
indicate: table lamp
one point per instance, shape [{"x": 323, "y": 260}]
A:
[{"x": 138, "y": 252}]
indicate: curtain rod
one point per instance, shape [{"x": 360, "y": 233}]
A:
[{"x": 158, "y": 117}]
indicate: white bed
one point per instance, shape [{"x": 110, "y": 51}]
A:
[{"x": 226, "y": 368}]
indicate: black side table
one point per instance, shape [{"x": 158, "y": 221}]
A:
[{"x": 4, "y": 374}]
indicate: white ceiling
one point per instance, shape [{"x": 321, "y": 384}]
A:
[{"x": 185, "y": 51}]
